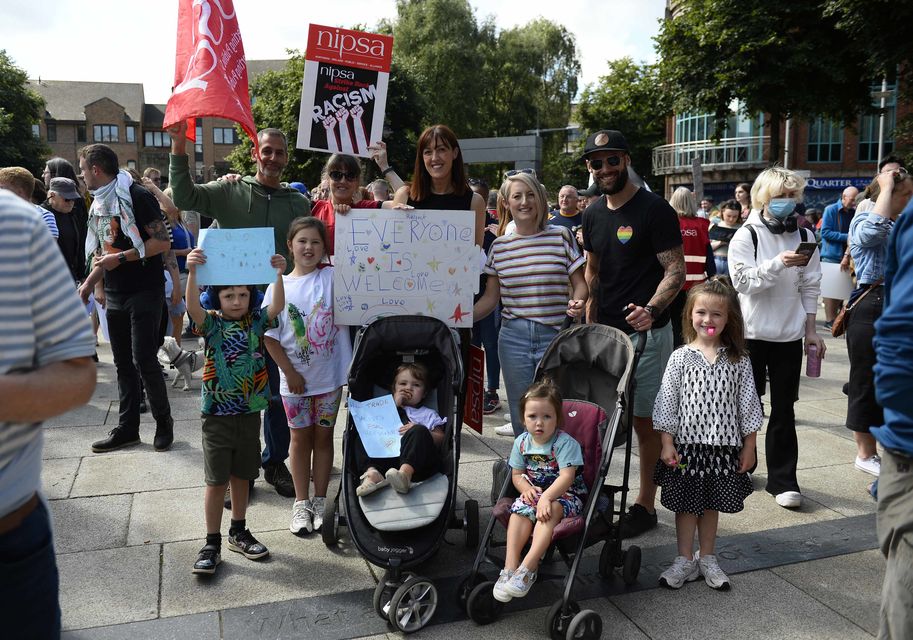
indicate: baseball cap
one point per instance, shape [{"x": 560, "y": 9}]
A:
[
  {"x": 604, "y": 140},
  {"x": 65, "y": 188},
  {"x": 299, "y": 186}
]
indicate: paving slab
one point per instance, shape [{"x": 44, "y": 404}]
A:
[
  {"x": 139, "y": 470},
  {"x": 296, "y": 568},
  {"x": 840, "y": 487},
  {"x": 57, "y": 477},
  {"x": 203, "y": 626},
  {"x": 850, "y": 584},
  {"x": 87, "y": 524},
  {"x": 109, "y": 587},
  {"x": 93, "y": 413},
  {"x": 762, "y": 513}
]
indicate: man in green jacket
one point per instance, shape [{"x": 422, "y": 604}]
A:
[{"x": 253, "y": 201}]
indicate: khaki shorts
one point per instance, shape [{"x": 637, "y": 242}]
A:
[
  {"x": 231, "y": 447},
  {"x": 895, "y": 536},
  {"x": 650, "y": 368}
]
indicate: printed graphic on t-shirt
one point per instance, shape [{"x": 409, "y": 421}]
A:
[
  {"x": 315, "y": 333},
  {"x": 624, "y": 234}
]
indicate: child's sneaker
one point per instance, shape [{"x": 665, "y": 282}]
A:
[
  {"x": 519, "y": 583},
  {"x": 302, "y": 517},
  {"x": 318, "y": 503},
  {"x": 682, "y": 570},
  {"x": 207, "y": 560},
  {"x": 490, "y": 402},
  {"x": 713, "y": 575},
  {"x": 499, "y": 591},
  {"x": 246, "y": 544}
]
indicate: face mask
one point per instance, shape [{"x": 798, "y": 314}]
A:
[{"x": 781, "y": 208}]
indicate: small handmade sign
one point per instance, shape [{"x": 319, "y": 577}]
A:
[
  {"x": 378, "y": 424},
  {"x": 405, "y": 262},
  {"x": 237, "y": 256}
]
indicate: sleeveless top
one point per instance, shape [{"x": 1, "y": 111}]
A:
[{"x": 445, "y": 201}]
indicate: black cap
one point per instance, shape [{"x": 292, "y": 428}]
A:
[
  {"x": 604, "y": 140},
  {"x": 589, "y": 192},
  {"x": 65, "y": 188}
]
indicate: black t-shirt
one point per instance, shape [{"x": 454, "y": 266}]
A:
[
  {"x": 142, "y": 275},
  {"x": 627, "y": 241}
]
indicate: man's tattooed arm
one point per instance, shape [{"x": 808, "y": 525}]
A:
[{"x": 673, "y": 262}]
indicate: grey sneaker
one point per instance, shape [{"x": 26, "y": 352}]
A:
[
  {"x": 682, "y": 570},
  {"x": 713, "y": 575},
  {"x": 519, "y": 584},
  {"x": 246, "y": 544},
  {"x": 499, "y": 592},
  {"x": 318, "y": 503},
  {"x": 302, "y": 517}
]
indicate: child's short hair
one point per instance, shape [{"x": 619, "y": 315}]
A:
[
  {"x": 215, "y": 303},
  {"x": 544, "y": 390},
  {"x": 733, "y": 335},
  {"x": 417, "y": 369}
]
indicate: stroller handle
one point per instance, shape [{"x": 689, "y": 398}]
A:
[{"x": 641, "y": 343}]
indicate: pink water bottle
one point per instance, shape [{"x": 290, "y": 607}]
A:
[{"x": 813, "y": 362}]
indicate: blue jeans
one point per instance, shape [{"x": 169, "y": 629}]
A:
[
  {"x": 722, "y": 266},
  {"x": 276, "y": 436},
  {"x": 29, "y": 583},
  {"x": 485, "y": 335},
  {"x": 521, "y": 344}
]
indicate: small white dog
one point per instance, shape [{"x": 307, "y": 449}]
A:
[{"x": 184, "y": 362}]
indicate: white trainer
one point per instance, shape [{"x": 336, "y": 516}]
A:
[
  {"x": 870, "y": 465},
  {"x": 713, "y": 575},
  {"x": 682, "y": 570},
  {"x": 302, "y": 517},
  {"x": 505, "y": 430},
  {"x": 317, "y": 505},
  {"x": 789, "y": 499}
]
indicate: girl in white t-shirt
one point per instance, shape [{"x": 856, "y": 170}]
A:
[{"x": 313, "y": 355}]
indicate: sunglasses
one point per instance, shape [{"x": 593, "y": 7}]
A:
[
  {"x": 340, "y": 175},
  {"x": 611, "y": 161},
  {"x": 516, "y": 172}
]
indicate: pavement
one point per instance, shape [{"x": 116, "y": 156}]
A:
[{"x": 128, "y": 525}]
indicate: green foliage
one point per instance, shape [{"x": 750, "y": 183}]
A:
[
  {"x": 20, "y": 108},
  {"x": 628, "y": 99},
  {"x": 781, "y": 57}
]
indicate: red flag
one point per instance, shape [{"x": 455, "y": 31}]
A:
[{"x": 210, "y": 71}]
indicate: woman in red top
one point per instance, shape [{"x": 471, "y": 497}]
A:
[
  {"x": 343, "y": 175},
  {"x": 696, "y": 245}
]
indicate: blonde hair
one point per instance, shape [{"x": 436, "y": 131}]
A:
[
  {"x": 682, "y": 201},
  {"x": 772, "y": 182},
  {"x": 538, "y": 190}
]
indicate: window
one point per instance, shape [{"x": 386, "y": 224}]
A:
[
  {"x": 105, "y": 133},
  {"x": 131, "y": 133},
  {"x": 36, "y": 130},
  {"x": 131, "y": 164},
  {"x": 156, "y": 139},
  {"x": 80, "y": 133},
  {"x": 52, "y": 132},
  {"x": 825, "y": 141},
  {"x": 198, "y": 145},
  {"x": 868, "y": 127},
  {"x": 224, "y": 135}
]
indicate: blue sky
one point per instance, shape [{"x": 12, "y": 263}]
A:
[{"x": 133, "y": 41}]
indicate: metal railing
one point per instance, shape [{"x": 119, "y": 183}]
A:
[{"x": 726, "y": 153}]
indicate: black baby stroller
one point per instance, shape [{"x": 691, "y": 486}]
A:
[
  {"x": 399, "y": 531},
  {"x": 593, "y": 366}
]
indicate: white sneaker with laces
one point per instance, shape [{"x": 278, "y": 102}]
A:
[
  {"x": 302, "y": 517},
  {"x": 682, "y": 570},
  {"x": 870, "y": 465},
  {"x": 789, "y": 499},
  {"x": 499, "y": 591},
  {"x": 713, "y": 575},
  {"x": 505, "y": 430},
  {"x": 317, "y": 505}
]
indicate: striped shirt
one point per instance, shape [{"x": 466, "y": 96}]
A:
[
  {"x": 41, "y": 322},
  {"x": 49, "y": 220},
  {"x": 534, "y": 274}
]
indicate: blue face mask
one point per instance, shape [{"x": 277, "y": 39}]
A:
[{"x": 781, "y": 208}]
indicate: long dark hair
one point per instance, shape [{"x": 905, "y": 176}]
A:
[
  {"x": 308, "y": 222},
  {"x": 61, "y": 168},
  {"x": 421, "y": 179},
  {"x": 733, "y": 335}
]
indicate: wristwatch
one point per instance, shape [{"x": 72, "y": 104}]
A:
[
  {"x": 649, "y": 308},
  {"x": 121, "y": 257}
]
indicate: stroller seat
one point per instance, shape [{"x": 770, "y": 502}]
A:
[
  {"x": 583, "y": 421},
  {"x": 387, "y": 510}
]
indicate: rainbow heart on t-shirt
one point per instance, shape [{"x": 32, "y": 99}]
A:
[{"x": 624, "y": 234}]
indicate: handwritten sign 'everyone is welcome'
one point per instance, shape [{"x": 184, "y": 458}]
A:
[{"x": 396, "y": 262}]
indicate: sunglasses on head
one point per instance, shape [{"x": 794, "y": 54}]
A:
[
  {"x": 611, "y": 161},
  {"x": 340, "y": 175},
  {"x": 516, "y": 172}
]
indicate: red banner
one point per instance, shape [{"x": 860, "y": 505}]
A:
[
  {"x": 472, "y": 409},
  {"x": 210, "y": 71}
]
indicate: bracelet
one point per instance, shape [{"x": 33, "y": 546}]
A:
[{"x": 387, "y": 170}]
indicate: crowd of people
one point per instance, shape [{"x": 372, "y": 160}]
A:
[{"x": 727, "y": 298}]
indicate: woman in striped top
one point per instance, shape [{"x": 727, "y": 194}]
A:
[{"x": 529, "y": 272}]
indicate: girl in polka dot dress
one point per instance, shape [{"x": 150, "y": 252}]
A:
[{"x": 708, "y": 414}]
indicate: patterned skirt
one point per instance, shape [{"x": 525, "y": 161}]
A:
[
  {"x": 707, "y": 477},
  {"x": 571, "y": 504}
]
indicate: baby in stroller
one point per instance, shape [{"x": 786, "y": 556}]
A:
[
  {"x": 422, "y": 433},
  {"x": 546, "y": 469}
]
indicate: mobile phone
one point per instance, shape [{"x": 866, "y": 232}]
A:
[{"x": 807, "y": 248}]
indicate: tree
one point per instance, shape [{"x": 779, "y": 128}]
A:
[
  {"x": 628, "y": 99},
  {"x": 20, "y": 108},
  {"x": 780, "y": 57}
]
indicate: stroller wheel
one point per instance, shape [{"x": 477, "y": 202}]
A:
[
  {"x": 384, "y": 591},
  {"x": 471, "y": 523},
  {"x": 481, "y": 607},
  {"x": 330, "y": 529},
  {"x": 413, "y": 605},
  {"x": 586, "y": 625},
  {"x": 466, "y": 586},
  {"x": 609, "y": 558},
  {"x": 630, "y": 565},
  {"x": 559, "y": 618}
]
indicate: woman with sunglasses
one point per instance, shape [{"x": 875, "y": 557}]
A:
[
  {"x": 439, "y": 179},
  {"x": 342, "y": 174}
]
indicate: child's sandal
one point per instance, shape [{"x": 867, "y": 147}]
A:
[{"x": 368, "y": 486}]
